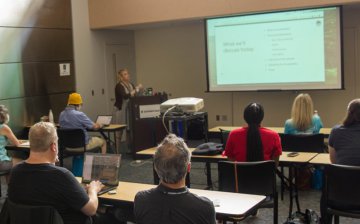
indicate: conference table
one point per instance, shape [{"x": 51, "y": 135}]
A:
[
  {"x": 321, "y": 159},
  {"x": 293, "y": 162},
  {"x": 106, "y": 133},
  {"x": 226, "y": 204},
  {"x": 280, "y": 130},
  {"x": 302, "y": 159}
]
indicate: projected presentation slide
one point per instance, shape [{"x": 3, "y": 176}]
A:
[{"x": 275, "y": 51}]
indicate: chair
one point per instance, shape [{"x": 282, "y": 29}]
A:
[
  {"x": 303, "y": 142},
  {"x": 28, "y": 214},
  {"x": 341, "y": 191},
  {"x": 252, "y": 178},
  {"x": 224, "y": 137},
  {"x": 300, "y": 143},
  {"x": 71, "y": 138}
]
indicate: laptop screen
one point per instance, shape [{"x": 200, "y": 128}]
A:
[
  {"x": 102, "y": 167},
  {"x": 104, "y": 119}
]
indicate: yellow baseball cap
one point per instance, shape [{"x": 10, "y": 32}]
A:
[{"x": 75, "y": 99}]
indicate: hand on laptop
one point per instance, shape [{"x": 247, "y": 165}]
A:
[{"x": 94, "y": 185}]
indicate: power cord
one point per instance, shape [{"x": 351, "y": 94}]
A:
[{"x": 163, "y": 118}]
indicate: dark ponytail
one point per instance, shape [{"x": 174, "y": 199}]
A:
[{"x": 253, "y": 115}]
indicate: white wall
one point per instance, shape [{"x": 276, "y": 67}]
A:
[
  {"x": 172, "y": 59},
  {"x": 90, "y": 64}
]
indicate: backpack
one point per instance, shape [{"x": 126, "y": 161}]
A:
[
  {"x": 309, "y": 217},
  {"x": 209, "y": 149}
]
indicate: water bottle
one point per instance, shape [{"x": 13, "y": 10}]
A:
[{"x": 51, "y": 116}]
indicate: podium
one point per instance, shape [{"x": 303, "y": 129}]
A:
[{"x": 147, "y": 131}]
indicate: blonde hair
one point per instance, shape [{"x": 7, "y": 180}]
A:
[
  {"x": 302, "y": 112},
  {"x": 119, "y": 76}
]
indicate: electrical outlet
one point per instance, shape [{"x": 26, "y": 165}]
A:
[
  {"x": 224, "y": 117},
  {"x": 217, "y": 118}
]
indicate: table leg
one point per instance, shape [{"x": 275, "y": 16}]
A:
[
  {"x": 115, "y": 144},
  {"x": 208, "y": 176},
  {"x": 107, "y": 139},
  {"x": 296, "y": 191},
  {"x": 291, "y": 189}
]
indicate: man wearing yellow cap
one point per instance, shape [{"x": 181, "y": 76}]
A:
[{"x": 72, "y": 117}]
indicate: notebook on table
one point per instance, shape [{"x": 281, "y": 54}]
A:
[
  {"x": 102, "y": 167},
  {"x": 105, "y": 120}
]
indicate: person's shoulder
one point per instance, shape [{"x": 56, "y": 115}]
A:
[
  {"x": 267, "y": 131},
  {"x": 289, "y": 122},
  {"x": 49, "y": 168},
  {"x": 239, "y": 130},
  {"x": 145, "y": 193},
  {"x": 5, "y": 128}
]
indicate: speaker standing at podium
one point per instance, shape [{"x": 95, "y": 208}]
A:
[{"x": 124, "y": 90}]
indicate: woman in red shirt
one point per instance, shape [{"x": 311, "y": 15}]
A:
[{"x": 253, "y": 143}]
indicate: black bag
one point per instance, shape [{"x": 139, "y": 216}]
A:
[
  {"x": 309, "y": 217},
  {"x": 208, "y": 149},
  {"x": 312, "y": 217}
]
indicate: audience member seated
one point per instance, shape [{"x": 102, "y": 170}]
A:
[
  {"x": 6, "y": 162},
  {"x": 253, "y": 143},
  {"x": 304, "y": 120},
  {"x": 344, "y": 143},
  {"x": 72, "y": 117},
  {"x": 37, "y": 181},
  {"x": 171, "y": 201}
]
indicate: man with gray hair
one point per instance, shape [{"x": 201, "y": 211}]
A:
[
  {"x": 37, "y": 181},
  {"x": 171, "y": 201}
]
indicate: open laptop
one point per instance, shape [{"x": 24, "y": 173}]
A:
[
  {"x": 105, "y": 120},
  {"x": 102, "y": 167}
]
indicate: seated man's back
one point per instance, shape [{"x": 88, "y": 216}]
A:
[
  {"x": 46, "y": 184},
  {"x": 171, "y": 202},
  {"x": 37, "y": 181},
  {"x": 165, "y": 205}
]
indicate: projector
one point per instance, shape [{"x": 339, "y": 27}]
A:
[{"x": 186, "y": 104}]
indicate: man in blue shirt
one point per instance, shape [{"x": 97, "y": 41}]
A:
[{"x": 72, "y": 117}]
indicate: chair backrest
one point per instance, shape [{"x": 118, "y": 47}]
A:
[
  {"x": 342, "y": 184},
  {"x": 224, "y": 136},
  {"x": 303, "y": 142},
  {"x": 252, "y": 177},
  {"x": 26, "y": 214},
  {"x": 71, "y": 138}
]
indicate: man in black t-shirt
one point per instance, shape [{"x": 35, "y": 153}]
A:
[
  {"x": 171, "y": 202},
  {"x": 37, "y": 181}
]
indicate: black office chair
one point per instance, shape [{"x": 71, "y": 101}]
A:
[
  {"x": 71, "y": 138},
  {"x": 300, "y": 143},
  {"x": 303, "y": 142},
  {"x": 341, "y": 191},
  {"x": 27, "y": 214},
  {"x": 252, "y": 178},
  {"x": 224, "y": 137}
]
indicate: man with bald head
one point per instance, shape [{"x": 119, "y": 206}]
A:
[
  {"x": 37, "y": 181},
  {"x": 171, "y": 201}
]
